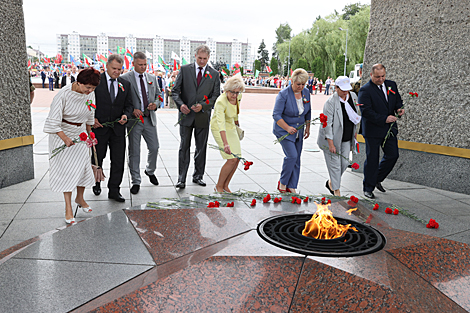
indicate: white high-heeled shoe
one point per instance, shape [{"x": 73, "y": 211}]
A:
[
  {"x": 70, "y": 221},
  {"x": 85, "y": 210}
]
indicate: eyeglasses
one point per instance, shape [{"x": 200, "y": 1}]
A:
[{"x": 234, "y": 93}]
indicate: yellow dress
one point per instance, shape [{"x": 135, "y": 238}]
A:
[{"x": 224, "y": 116}]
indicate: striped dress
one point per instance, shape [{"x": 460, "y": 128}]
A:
[{"x": 71, "y": 167}]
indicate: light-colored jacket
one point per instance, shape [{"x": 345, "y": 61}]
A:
[
  {"x": 153, "y": 92},
  {"x": 334, "y": 128}
]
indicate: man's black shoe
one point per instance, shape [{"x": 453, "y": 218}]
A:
[
  {"x": 97, "y": 189},
  {"x": 153, "y": 178},
  {"x": 135, "y": 189},
  {"x": 116, "y": 196},
  {"x": 180, "y": 185},
  {"x": 380, "y": 187},
  {"x": 199, "y": 181},
  {"x": 369, "y": 194}
]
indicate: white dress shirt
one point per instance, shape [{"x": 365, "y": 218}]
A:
[
  {"x": 137, "y": 79},
  {"x": 197, "y": 69},
  {"x": 108, "y": 80},
  {"x": 384, "y": 90}
]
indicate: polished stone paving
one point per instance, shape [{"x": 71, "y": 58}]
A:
[{"x": 113, "y": 248}]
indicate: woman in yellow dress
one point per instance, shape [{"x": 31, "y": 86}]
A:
[{"x": 223, "y": 121}]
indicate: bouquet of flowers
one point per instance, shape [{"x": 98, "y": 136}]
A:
[
  {"x": 246, "y": 163},
  {"x": 323, "y": 120},
  {"x": 83, "y": 138}
]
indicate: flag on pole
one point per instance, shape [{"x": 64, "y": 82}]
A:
[
  {"x": 184, "y": 61},
  {"x": 110, "y": 52},
  {"x": 237, "y": 72},
  {"x": 126, "y": 60},
  {"x": 174, "y": 56},
  {"x": 256, "y": 73},
  {"x": 236, "y": 65},
  {"x": 29, "y": 64},
  {"x": 224, "y": 73},
  {"x": 291, "y": 72},
  {"x": 148, "y": 55},
  {"x": 129, "y": 54},
  {"x": 175, "y": 67},
  {"x": 76, "y": 62},
  {"x": 268, "y": 69},
  {"x": 121, "y": 50},
  {"x": 228, "y": 66},
  {"x": 88, "y": 61}
]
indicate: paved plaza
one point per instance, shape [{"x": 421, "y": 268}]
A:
[{"x": 31, "y": 209}]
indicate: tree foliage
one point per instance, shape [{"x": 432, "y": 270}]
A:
[
  {"x": 263, "y": 55},
  {"x": 351, "y": 10},
  {"x": 274, "y": 65},
  {"x": 340, "y": 65},
  {"x": 320, "y": 45},
  {"x": 257, "y": 66}
]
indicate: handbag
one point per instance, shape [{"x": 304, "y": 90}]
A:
[{"x": 240, "y": 132}]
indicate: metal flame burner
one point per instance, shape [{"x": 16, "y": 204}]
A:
[{"x": 285, "y": 231}]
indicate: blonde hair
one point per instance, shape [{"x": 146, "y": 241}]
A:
[
  {"x": 233, "y": 83},
  {"x": 300, "y": 75}
]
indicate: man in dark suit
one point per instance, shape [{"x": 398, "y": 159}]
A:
[
  {"x": 380, "y": 105},
  {"x": 43, "y": 77},
  {"x": 113, "y": 102},
  {"x": 193, "y": 84},
  {"x": 67, "y": 79}
]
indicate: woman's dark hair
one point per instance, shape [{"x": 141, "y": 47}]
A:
[{"x": 89, "y": 76}]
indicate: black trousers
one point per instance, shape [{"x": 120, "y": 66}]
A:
[
  {"x": 375, "y": 172},
  {"x": 117, "y": 150},
  {"x": 200, "y": 136}
]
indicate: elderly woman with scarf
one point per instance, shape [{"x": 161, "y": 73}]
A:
[{"x": 337, "y": 138}]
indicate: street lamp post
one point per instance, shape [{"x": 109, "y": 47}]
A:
[
  {"x": 288, "y": 61},
  {"x": 345, "y": 53}
]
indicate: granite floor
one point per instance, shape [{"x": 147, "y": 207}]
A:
[{"x": 129, "y": 257}]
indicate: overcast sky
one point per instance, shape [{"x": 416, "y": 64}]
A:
[{"x": 244, "y": 20}]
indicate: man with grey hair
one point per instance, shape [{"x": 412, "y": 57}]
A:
[
  {"x": 144, "y": 95},
  {"x": 113, "y": 103},
  {"x": 196, "y": 88}
]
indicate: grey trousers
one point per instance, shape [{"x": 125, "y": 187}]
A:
[
  {"x": 149, "y": 133},
  {"x": 336, "y": 164}
]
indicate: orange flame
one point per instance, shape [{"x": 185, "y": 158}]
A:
[
  {"x": 350, "y": 211},
  {"x": 323, "y": 225}
]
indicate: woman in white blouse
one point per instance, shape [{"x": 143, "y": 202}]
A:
[
  {"x": 72, "y": 113},
  {"x": 337, "y": 138}
]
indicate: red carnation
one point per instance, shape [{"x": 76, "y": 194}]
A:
[
  {"x": 329, "y": 201},
  {"x": 160, "y": 98},
  {"x": 206, "y": 99},
  {"x": 276, "y": 200},
  {"x": 265, "y": 199},
  {"x": 92, "y": 135},
  {"x": 216, "y": 204},
  {"x": 323, "y": 118},
  {"x": 299, "y": 201},
  {"x": 306, "y": 200},
  {"x": 395, "y": 212},
  {"x": 416, "y": 95},
  {"x": 432, "y": 224},
  {"x": 388, "y": 211},
  {"x": 253, "y": 202},
  {"x": 211, "y": 205},
  {"x": 376, "y": 207},
  {"x": 354, "y": 199},
  {"x": 83, "y": 136},
  {"x": 141, "y": 118},
  {"x": 268, "y": 196},
  {"x": 355, "y": 166}
]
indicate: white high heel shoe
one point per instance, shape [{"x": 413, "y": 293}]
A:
[
  {"x": 85, "y": 210},
  {"x": 70, "y": 221}
]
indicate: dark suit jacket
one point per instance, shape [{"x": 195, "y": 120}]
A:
[
  {"x": 107, "y": 111},
  {"x": 64, "y": 80},
  {"x": 185, "y": 91},
  {"x": 375, "y": 109}
]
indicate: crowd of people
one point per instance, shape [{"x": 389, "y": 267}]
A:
[{"x": 100, "y": 108}]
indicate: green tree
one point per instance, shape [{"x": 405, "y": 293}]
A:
[
  {"x": 351, "y": 10},
  {"x": 274, "y": 67},
  {"x": 339, "y": 64},
  {"x": 317, "y": 67},
  {"x": 257, "y": 66},
  {"x": 302, "y": 63},
  {"x": 263, "y": 55}
]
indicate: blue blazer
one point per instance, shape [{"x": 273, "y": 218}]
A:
[
  {"x": 286, "y": 108},
  {"x": 375, "y": 109}
]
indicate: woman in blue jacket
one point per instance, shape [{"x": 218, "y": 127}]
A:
[{"x": 291, "y": 111}]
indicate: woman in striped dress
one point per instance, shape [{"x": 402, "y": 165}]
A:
[{"x": 72, "y": 113}]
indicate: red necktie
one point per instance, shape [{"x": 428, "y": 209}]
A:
[
  {"x": 144, "y": 94},
  {"x": 199, "y": 76}
]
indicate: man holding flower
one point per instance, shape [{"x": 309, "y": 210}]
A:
[{"x": 380, "y": 105}]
